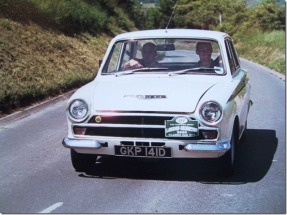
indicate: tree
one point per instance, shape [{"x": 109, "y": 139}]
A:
[
  {"x": 269, "y": 16},
  {"x": 201, "y": 14},
  {"x": 234, "y": 17},
  {"x": 231, "y": 16},
  {"x": 152, "y": 19},
  {"x": 166, "y": 8},
  {"x": 205, "y": 14}
]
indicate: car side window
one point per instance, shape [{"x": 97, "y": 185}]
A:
[
  {"x": 114, "y": 59},
  {"x": 232, "y": 56},
  {"x": 126, "y": 53}
]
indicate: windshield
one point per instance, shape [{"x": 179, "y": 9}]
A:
[{"x": 165, "y": 55}]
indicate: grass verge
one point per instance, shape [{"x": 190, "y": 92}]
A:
[
  {"x": 266, "y": 48},
  {"x": 36, "y": 63}
]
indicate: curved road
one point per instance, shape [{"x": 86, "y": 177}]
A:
[{"x": 37, "y": 177}]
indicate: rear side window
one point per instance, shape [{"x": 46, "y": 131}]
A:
[{"x": 232, "y": 56}]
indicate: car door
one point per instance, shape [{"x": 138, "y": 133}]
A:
[{"x": 242, "y": 91}]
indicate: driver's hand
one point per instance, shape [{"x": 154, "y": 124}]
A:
[{"x": 132, "y": 64}]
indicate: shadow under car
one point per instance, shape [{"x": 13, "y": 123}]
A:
[{"x": 254, "y": 159}]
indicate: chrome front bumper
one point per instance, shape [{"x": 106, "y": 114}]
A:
[
  {"x": 180, "y": 149},
  {"x": 222, "y": 146},
  {"x": 81, "y": 143}
]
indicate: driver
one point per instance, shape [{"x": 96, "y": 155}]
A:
[{"x": 148, "y": 58}]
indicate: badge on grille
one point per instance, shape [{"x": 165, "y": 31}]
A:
[
  {"x": 98, "y": 119},
  {"x": 146, "y": 96}
]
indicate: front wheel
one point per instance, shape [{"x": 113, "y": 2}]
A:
[
  {"x": 244, "y": 134},
  {"x": 82, "y": 162},
  {"x": 229, "y": 157}
]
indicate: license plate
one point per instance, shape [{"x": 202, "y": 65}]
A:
[
  {"x": 142, "y": 151},
  {"x": 181, "y": 126}
]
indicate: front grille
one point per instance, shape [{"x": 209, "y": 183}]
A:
[
  {"x": 132, "y": 120},
  {"x": 126, "y": 132},
  {"x": 129, "y": 131},
  {"x": 154, "y": 144}
]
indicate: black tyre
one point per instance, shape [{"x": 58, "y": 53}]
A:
[
  {"x": 244, "y": 134},
  {"x": 82, "y": 162},
  {"x": 229, "y": 158}
]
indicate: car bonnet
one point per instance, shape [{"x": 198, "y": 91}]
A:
[{"x": 149, "y": 94}]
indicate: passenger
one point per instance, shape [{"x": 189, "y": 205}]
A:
[
  {"x": 204, "y": 51},
  {"x": 148, "y": 58}
]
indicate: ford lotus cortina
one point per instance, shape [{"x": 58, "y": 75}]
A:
[{"x": 170, "y": 93}]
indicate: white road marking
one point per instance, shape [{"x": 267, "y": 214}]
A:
[
  {"x": 51, "y": 208},
  {"x": 227, "y": 195}
]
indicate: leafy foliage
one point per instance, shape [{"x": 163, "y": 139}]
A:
[
  {"x": 191, "y": 14},
  {"x": 231, "y": 16},
  {"x": 268, "y": 16},
  {"x": 71, "y": 16}
]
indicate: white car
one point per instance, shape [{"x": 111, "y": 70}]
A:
[{"x": 176, "y": 108}]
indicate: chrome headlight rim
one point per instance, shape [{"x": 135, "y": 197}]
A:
[
  {"x": 83, "y": 104},
  {"x": 217, "y": 118}
]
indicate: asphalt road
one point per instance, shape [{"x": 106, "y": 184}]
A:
[{"x": 37, "y": 177}]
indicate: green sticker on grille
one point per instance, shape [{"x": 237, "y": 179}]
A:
[{"x": 181, "y": 126}]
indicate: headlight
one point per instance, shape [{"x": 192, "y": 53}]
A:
[
  {"x": 78, "y": 110},
  {"x": 211, "y": 112}
]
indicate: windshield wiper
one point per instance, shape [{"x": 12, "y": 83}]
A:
[
  {"x": 143, "y": 69},
  {"x": 217, "y": 70}
]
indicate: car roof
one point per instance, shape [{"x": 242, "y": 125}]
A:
[{"x": 172, "y": 33}]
